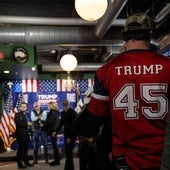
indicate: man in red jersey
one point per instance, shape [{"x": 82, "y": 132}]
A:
[{"x": 134, "y": 89}]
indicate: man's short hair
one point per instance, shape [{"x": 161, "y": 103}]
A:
[
  {"x": 65, "y": 103},
  {"x": 36, "y": 104},
  {"x": 23, "y": 103}
]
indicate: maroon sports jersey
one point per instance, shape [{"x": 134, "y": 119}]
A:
[{"x": 135, "y": 88}]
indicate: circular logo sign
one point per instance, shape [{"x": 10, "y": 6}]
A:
[{"x": 20, "y": 54}]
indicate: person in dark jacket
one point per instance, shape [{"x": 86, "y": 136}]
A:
[
  {"x": 104, "y": 146},
  {"x": 94, "y": 152},
  {"x": 22, "y": 136},
  {"x": 68, "y": 115},
  {"x": 86, "y": 149},
  {"x": 52, "y": 123}
]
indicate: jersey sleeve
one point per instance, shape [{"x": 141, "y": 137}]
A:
[{"x": 99, "y": 103}]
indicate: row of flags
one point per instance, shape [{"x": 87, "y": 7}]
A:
[
  {"x": 59, "y": 85},
  {"x": 7, "y": 124}
]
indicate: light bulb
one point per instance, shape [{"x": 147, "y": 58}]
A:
[{"x": 68, "y": 62}]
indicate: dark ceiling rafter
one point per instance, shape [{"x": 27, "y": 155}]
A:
[
  {"x": 26, "y": 33},
  {"x": 57, "y": 35},
  {"x": 113, "y": 10}
]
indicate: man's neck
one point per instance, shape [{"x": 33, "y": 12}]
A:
[
  {"x": 24, "y": 112},
  {"x": 137, "y": 44}
]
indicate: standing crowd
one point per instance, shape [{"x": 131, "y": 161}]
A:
[
  {"x": 40, "y": 124},
  {"x": 44, "y": 124},
  {"x": 123, "y": 124}
]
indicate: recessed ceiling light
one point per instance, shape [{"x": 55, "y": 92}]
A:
[
  {"x": 52, "y": 51},
  {"x": 33, "y": 68},
  {"x": 6, "y": 71}
]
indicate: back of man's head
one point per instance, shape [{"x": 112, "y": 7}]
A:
[{"x": 138, "y": 27}]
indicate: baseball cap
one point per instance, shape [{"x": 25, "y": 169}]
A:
[{"x": 138, "y": 21}]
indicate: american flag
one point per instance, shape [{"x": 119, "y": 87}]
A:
[
  {"x": 59, "y": 85},
  {"x": 19, "y": 101},
  {"x": 25, "y": 86},
  {"x": 83, "y": 85},
  {"x": 7, "y": 124},
  {"x": 79, "y": 100},
  {"x": 65, "y": 85},
  {"x": 30, "y": 86},
  {"x": 77, "y": 89},
  {"x": 17, "y": 86},
  {"x": 47, "y": 85}
]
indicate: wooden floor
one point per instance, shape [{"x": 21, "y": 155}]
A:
[
  {"x": 40, "y": 166},
  {"x": 7, "y": 162}
]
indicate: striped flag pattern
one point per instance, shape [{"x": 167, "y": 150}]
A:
[
  {"x": 30, "y": 86},
  {"x": 90, "y": 82},
  {"x": 19, "y": 101},
  {"x": 65, "y": 85},
  {"x": 84, "y": 84},
  {"x": 25, "y": 86},
  {"x": 59, "y": 85},
  {"x": 7, "y": 124}
]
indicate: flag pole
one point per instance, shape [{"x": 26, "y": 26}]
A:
[
  {"x": 77, "y": 92},
  {"x": 78, "y": 99},
  {"x": 10, "y": 84}
]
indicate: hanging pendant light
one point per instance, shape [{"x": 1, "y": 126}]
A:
[
  {"x": 91, "y": 10},
  {"x": 68, "y": 62}
]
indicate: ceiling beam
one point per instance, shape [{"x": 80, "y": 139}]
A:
[
  {"x": 6, "y": 19},
  {"x": 113, "y": 10},
  {"x": 81, "y": 67},
  {"x": 41, "y": 35}
]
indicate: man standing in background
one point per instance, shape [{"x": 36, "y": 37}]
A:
[
  {"x": 68, "y": 116},
  {"x": 38, "y": 117},
  {"x": 22, "y": 136}
]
